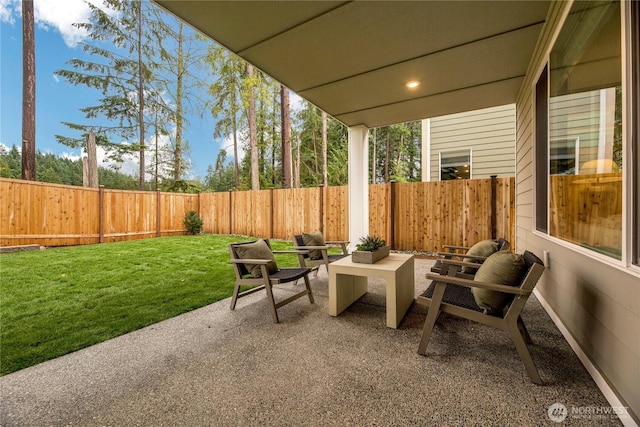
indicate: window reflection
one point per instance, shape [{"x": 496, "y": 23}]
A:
[
  {"x": 585, "y": 128},
  {"x": 455, "y": 165}
]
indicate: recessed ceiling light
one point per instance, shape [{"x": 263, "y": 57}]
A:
[{"x": 413, "y": 84}]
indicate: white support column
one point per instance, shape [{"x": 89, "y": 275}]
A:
[
  {"x": 426, "y": 150},
  {"x": 358, "y": 184}
]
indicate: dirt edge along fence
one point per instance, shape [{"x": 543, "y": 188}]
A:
[{"x": 409, "y": 216}]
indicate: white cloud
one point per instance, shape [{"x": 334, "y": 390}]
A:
[
  {"x": 6, "y": 12},
  {"x": 4, "y": 149},
  {"x": 52, "y": 15}
]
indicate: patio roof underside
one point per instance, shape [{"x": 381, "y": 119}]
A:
[{"x": 353, "y": 59}]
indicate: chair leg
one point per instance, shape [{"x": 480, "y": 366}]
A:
[
  {"x": 523, "y": 351},
  {"x": 432, "y": 316},
  {"x": 308, "y": 285},
  {"x": 234, "y": 297},
  {"x": 524, "y": 331},
  {"x": 272, "y": 301}
]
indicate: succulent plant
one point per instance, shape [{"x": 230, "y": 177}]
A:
[{"x": 370, "y": 243}]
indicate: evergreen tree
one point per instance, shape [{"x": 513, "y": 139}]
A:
[
  {"x": 309, "y": 157},
  {"x": 123, "y": 75},
  {"x": 226, "y": 92},
  {"x": 182, "y": 54}
]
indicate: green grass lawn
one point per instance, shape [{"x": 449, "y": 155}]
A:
[{"x": 59, "y": 300}]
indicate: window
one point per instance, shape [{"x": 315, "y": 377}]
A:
[
  {"x": 634, "y": 49},
  {"x": 579, "y": 149},
  {"x": 455, "y": 165}
]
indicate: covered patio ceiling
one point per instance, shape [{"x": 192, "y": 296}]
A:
[{"x": 353, "y": 59}]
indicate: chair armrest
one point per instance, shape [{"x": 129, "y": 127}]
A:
[
  {"x": 453, "y": 254},
  {"x": 308, "y": 248},
  {"x": 453, "y": 247},
  {"x": 446, "y": 262},
  {"x": 251, "y": 261},
  {"x": 475, "y": 284},
  {"x": 341, "y": 243},
  {"x": 292, "y": 251}
]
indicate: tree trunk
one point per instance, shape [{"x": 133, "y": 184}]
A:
[
  {"x": 141, "y": 97},
  {"x": 156, "y": 154},
  {"x": 296, "y": 167},
  {"x": 373, "y": 159},
  {"x": 90, "y": 167},
  {"x": 286, "y": 137},
  {"x": 177, "y": 155},
  {"x": 28, "y": 92},
  {"x": 324, "y": 149},
  {"x": 253, "y": 140},
  {"x": 236, "y": 165},
  {"x": 386, "y": 157}
]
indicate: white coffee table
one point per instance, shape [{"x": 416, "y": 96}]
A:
[{"x": 348, "y": 281}]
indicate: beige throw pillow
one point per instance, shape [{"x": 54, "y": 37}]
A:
[
  {"x": 257, "y": 250},
  {"x": 314, "y": 239},
  {"x": 482, "y": 248},
  {"x": 502, "y": 268}
]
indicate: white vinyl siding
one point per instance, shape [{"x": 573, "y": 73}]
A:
[{"x": 489, "y": 134}]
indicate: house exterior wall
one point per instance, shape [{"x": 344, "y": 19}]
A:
[
  {"x": 489, "y": 133},
  {"x": 595, "y": 302}
]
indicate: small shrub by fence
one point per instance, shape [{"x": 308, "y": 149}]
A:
[{"x": 409, "y": 216}]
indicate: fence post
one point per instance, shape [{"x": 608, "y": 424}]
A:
[
  {"x": 272, "y": 219},
  {"x": 158, "y": 214},
  {"x": 101, "y": 215},
  {"x": 321, "y": 214},
  {"x": 230, "y": 212},
  {"x": 198, "y": 209},
  {"x": 392, "y": 214},
  {"x": 494, "y": 208}
]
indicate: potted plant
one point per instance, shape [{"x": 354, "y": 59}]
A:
[{"x": 370, "y": 249}]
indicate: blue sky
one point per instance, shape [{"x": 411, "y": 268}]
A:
[{"x": 57, "y": 100}]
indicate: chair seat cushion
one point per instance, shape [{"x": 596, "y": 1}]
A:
[
  {"x": 483, "y": 248},
  {"x": 460, "y": 296},
  {"x": 257, "y": 250},
  {"x": 502, "y": 268},
  {"x": 289, "y": 274},
  {"x": 314, "y": 239}
]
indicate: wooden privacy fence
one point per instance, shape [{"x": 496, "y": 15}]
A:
[
  {"x": 427, "y": 215},
  {"x": 409, "y": 216},
  {"x": 59, "y": 215},
  {"x": 277, "y": 213}
]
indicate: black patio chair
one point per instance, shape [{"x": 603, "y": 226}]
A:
[
  {"x": 317, "y": 250},
  {"x": 254, "y": 264},
  {"x": 453, "y": 295}
]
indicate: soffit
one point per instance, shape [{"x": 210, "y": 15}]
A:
[{"x": 352, "y": 59}]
